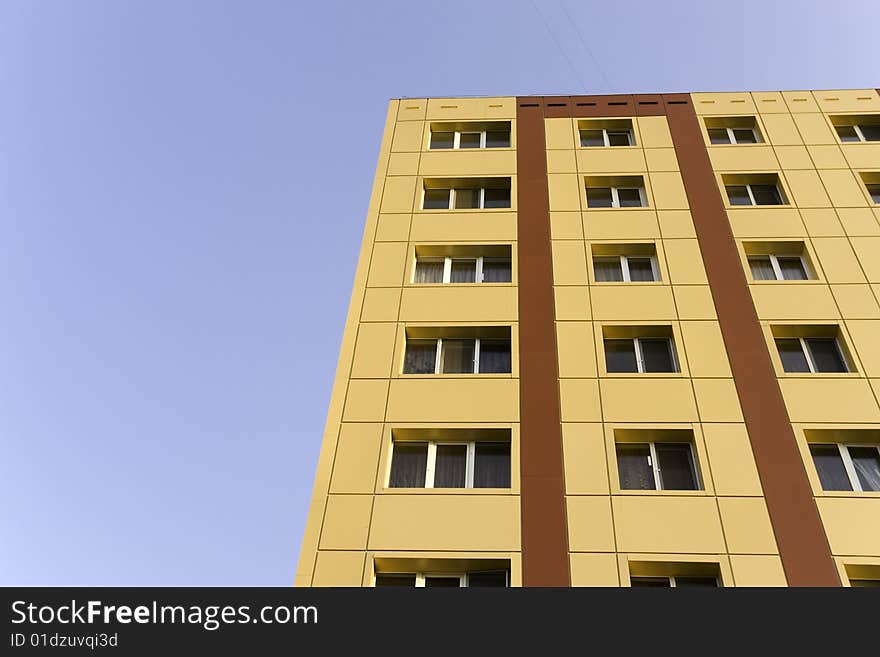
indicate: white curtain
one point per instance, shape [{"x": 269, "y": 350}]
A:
[{"x": 866, "y": 461}]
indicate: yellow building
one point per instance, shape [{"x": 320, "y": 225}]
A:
[{"x": 611, "y": 341}]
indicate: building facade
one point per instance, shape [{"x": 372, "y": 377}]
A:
[{"x": 611, "y": 341}]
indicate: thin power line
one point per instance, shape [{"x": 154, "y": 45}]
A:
[
  {"x": 587, "y": 48},
  {"x": 559, "y": 46}
]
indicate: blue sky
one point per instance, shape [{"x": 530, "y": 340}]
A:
[{"x": 183, "y": 187}]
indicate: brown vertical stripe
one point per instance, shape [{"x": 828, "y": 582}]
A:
[
  {"x": 803, "y": 546},
  {"x": 544, "y": 526}
]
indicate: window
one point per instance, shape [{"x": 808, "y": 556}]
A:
[
  {"x": 629, "y": 194},
  {"x": 497, "y": 578},
  {"x": 495, "y": 134},
  {"x": 453, "y": 354},
  {"x": 642, "y": 355},
  {"x": 450, "y": 269},
  {"x": 811, "y": 354},
  {"x": 847, "y": 467},
  {"x": 874, "y": 191},
  {"x": 757, "y": 194},
  {"x": 629, "y": 269},
  {"x": 871, "y": 180},
  {"x": 732, "y": 130},
  {"x": 857, "y": 128},
  {"x": 604, "y": 133},
  {"x": 674, "y": 582},
  {"x": 778, "y": 268},
  {"x": 455, "y": 464},
  {"x": 464, "y": 194},
  {"x": 657, "y": 465}
]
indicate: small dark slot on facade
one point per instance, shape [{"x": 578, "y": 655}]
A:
[
  {"x": 528, "y": 104},
  {"x": 647, "y": 102},
  {"x": 557, "y": 104},
  {"x": 617, "y": 102},
  {"x": 585, "y": 104},
  {"x": 676, "y": 102}
]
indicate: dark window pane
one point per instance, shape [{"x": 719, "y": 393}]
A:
[
  {"x": 491, "y": 465},
  {"x": 792, "y": 268},
  {"x": 497, "y": 578},
  {"x": 421, "y": 357},
  {"x": 467, "y": 199},
  {"x": 599, "y": 197},
  {"x": 676, "y": 464},
  {"x": 640, "y": 269},
  {"x": 436, "y": 199},
  {"x": 634, "y": 466},
  {"x": 791, "y": 355},
  {"x": 718, "y": 136},
  {"x": 829, "y": 466},
  {"x": 738, "y": 195},
  {"x": 450, "y": 466},
  {"x": 469, "y": 140},
  {"x": 766, "y": 195},
  {"x": 629, "y": 197},
  {"x": 847, "y": 133},
  {"x": 396, "y": 580},
  {"x": 620, "y": 356},
  {"x": 443, "y": 582},
  {"x": 463, "y": 271},
  {"x": 870, "y": 132},
  {"x": 825, "y": 354},
  {"x": 408, "y": 465},
  {"x": 762, "y": 268},
  {"x": 497, "y": 197},
  {"x": 494, "y": 356},
  {"x": 657, "y": 355},
  {"x": 866, "y": 462},
  {"x": 429, "y": 271},
  {"x": 865, "y": 583},
  {"x": 457, "y": 357},
  {"x": 607, "y": 269},
  {"x": 498, "y": 139},
  {"x": 744, "y": 136},
  {"x": 592, "y": 138},
  {"x": 874, "y": 191},
  {"x": 696, "y": 581},
  {"x": 619, "y": 138},
  {"x": 650, "y": 582},
  {"x": 442, "y": 139},
  {"x": 496, "y": 270}
]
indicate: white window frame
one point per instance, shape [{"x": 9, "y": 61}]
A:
[
  {"x": 451, "y": 200},
  {"x": 447, "y": 269},
  {"x": 774, "y": 262},
  {"x": 870, "y": 193},
  {"x": 855, "y": 126},
  {"x": 732, "y": 137},
  {"x": 606, "y": 141},
  {"x": 615, "y": 196},
  {"x": 640, "y": 359},
  {"x": 432, "y": 462},
  {"x": 438, "y": 356},
  {"x": 843, "y": 448},
  {"x": 654, "y": 462},
  {"x": 748, "y": 187},
  {"x": 809, "y": 356},
  {"x": 463, "y": 579},
  {"x": 671, "y": 578},
  {"x": 456, "y": 139},
  {"x": 624, "y": 267}
]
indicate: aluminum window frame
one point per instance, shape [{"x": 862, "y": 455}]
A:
[
  {"x": 731, "y": 136},
  {"x": 615, "y": 197},
  {"x": 774, "y": 263},
  {"x": 463, "y": 578},
  {"x": 857, "y": 128},
  {"x": 640, "y": 358},
  {"x": 654, "y": 462},
  {"x": 808, "y": 354},
  {"x": 843, "y": 449},
  {"x": 456, "y": 140},
  {"x": 630, "y": 137}
]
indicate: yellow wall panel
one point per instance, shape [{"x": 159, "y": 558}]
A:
[
  {"x": 780, "y": 130},
  {"x": 594, "y": 569},
  {"x": 806, "y": 189},
  {"x": 611, "y": 160},
  {"x": 731, "y": 460},
  {"x": 365, "y": 401},
  {"x": 800, "y": 101},
  {"x": 490, "y": 108},
  {"x": 381, "y": 304},
  {"x": 694, "y": 302},
  {"x": 338, "y": 568},
  {"x": 566, "y": 226},
  {"x": 763, "y": 222},
  {"x": 579, "y": 400},
  {"x": 632, "y": 302},
  {"x": 864, "y": 335},
  {"x": 407, "y": 137},
  {"x": 856, "y": 301},
  {"x": 717, "y": 400},
  {"x": 572, "y": 303},
  {"x": 374, "y": 351},
  {"x": 829, "y": 400},
  {"x": 654, "y": 132},
  {"x": 822, "y": 223},
  {"x": 620, "y": 224},
  {"x": 843, "y": 188},
  {"x": 769, "y": 102},
  {"x": 636, "y": 399},
  {"x": 743, "y": 158},
  {"x": 467, "y": 162},
  {"x": 727, "y": 103},
  {"x": 684, "y": 262},
  {"x": 746, "y": 523},
  {"x": 838, "y": 261},
  {"x": 667, "y": 524},
  {"x": 559, "y": 133},
  {"x": 589, "y": 524},
  {"x": 412, "y": 109},
  {"x": 704, "y": 346},
  {"x": 859, "y": 221},
  {"x": 346, "y": 522},
  {"x": 852, "y": 525},
  {"x": 586, "y": 472},
  {"x": 827, "y": 157},
  {"x": 668, "y": 191},
  {"x": 757, "y": 570},
  {"x": 459, "y": 227},
  {"x": 457, "y": 399},
  {"x": 393, "y": 227},
  {"x": 576, "y": 351},
  {"x": 456, "y": 303},
  {"x": 387, "y": 264},
  {"x": 848, "y": 100},
  {"x": 565, "y": 191},
  {"x": 676, "y": 223},
  {"x": 399, "y": 194},
  {"x": 357, "y": 457},
  {"x": 793, "y": 301},
  {"x": 868, "y": 251},
  {"x": 561, "y": 162},
  {"x": 445, "y": 522},
  {"x": 403, "y": 164},
  {"x": 661, "y": 159},
  {"x": 862, "y": 156},
  {"x": 569, "y": 263},
  {"x": 814, "y": 129}
]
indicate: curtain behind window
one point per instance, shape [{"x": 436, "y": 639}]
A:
[
  {"x": 491, "y": 465},
  {"x": 429, "y": 271},
  {"x": 633, "y": 466},
  {"x": 829, "y": 465},
  {"x": 450, "y": 466},
  {"x": 866, "y": 461},
  {"x": 607, "y": 270},
  {"x": 496, "y": 270},
  {"x": 494, "y": 356},
  {"x": 409, "y": 462},
  {"x": 420, "y": 357}
]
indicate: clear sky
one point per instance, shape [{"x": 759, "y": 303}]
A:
[{"x": 183, "y": 187}]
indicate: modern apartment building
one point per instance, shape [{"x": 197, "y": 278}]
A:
[{"x": 622, "y": 340}]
